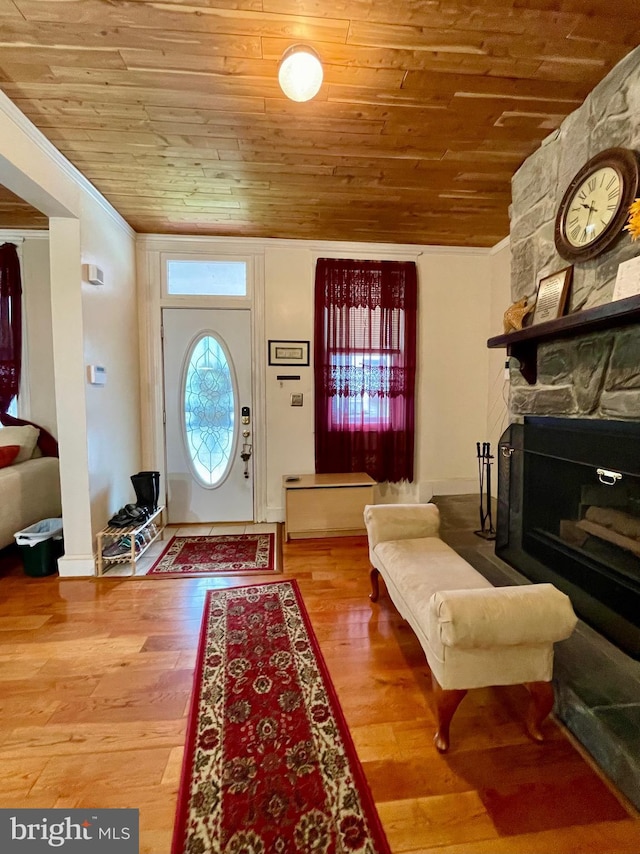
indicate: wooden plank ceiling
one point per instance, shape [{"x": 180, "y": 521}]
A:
[{"x": 172, "y": 108}]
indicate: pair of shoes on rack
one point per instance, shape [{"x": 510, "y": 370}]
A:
[
  {"x": 146, "y": 535},
  {"x": 122, "y": 547},
  {"x": 130, "y": 514}
]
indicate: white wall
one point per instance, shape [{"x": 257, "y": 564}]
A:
[
  {"x": 110, "y": 321},
  {"x": 452, "y": 380},
  {"x": 451, "y": 410},
  {"x": 66, "y": 315},
  {"x": 452, "y": 402},
  {"x": 288, "y": 284},
  {"x": 82, "y": 227},
  {"x": 498, "y": 383}
]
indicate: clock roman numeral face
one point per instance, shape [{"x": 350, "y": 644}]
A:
[{"x": 594, "y": 203}]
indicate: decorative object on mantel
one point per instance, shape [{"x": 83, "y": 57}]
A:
[
  {"x": 513, "y": 319},
  {"x": 627, "y": 279},
  {"x": 633, "y": 223},
  {"x": 595, "y": 206},
  {"x": 552, "y": 296},
  {"x": 523, "y": 345}
]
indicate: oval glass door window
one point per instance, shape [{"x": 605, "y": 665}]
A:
[{"x": 209, "y": 411}]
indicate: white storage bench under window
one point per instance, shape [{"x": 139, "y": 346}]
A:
[{"x": 326, "y": 505}]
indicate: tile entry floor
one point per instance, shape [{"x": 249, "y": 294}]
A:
[{"x": 144, "y": 564}]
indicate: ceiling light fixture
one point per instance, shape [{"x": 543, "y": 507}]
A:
[{"x": 300, "y": 73}]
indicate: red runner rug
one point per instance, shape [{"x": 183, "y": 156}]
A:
[
  {"x": 269, "y": 765},
  {"x": 226, "y": 554}
]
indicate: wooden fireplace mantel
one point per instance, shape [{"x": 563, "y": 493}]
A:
[{"x": 523, "y": 344}]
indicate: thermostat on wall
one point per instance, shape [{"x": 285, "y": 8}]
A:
[{"x": 97, "y": 375}]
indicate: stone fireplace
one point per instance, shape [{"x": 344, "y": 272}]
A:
[{"x": 557, "y": 520}]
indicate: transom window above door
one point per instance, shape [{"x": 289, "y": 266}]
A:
[{"x": 216, "y": 278}]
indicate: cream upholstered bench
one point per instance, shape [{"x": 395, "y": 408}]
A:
[{"x": 473, "y": 634}]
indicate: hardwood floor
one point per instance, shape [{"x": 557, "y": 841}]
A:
[{"x": 95, "y": 679}]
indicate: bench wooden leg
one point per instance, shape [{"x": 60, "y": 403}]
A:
[
  {"x": 447, "y": 701},
  {"x": 540, "y": 705},
  {"x": 375, "y": 587}
]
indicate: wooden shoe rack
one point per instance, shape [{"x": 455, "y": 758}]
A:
[{"x": 110, "y": 534}]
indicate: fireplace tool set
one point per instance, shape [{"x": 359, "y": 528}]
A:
[{"x": 487, "y": 531}]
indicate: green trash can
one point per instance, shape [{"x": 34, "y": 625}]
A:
[{"x": 40, "y": 547}]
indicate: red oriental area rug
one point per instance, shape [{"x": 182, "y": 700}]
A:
[
  {"x": 269, "y": 765},
  {"x": 226, "y": 554}
]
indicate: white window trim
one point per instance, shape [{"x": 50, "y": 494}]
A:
[{"x": 168, "y": 300}]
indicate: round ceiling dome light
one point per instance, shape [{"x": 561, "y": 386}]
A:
[{"x": 300, "y": 73}]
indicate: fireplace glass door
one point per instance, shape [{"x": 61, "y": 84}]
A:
[
  {"x": 579, "y": 525},
  {"x": 587, "y": 518}
]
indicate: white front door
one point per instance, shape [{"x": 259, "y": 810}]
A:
[{"x": 209, "y": 415}]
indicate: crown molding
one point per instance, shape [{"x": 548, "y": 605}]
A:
[
  {"x": 15, "y": 235},
  {"x": 18, "y": 118},
  {"x": 204, "y": 243},
  {"x": 500, "y": 246}
]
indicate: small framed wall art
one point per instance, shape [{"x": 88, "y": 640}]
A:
[
  {"x": 553, "y": 292},
  {"x": 288, "y": 353},
  {"x": 627, "y": 279}
]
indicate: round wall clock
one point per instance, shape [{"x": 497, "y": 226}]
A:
[{"x": 595, "y": 206}]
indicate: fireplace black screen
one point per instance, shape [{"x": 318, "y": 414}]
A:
[{"x": 570, "y": 489}]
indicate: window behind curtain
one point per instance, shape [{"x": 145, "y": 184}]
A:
[
  {"x": 10, "y": 325},
  {"x": 365, "y": 356}
]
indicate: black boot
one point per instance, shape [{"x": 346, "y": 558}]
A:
[
  {"x": 154, "y": 476},
  {"x": 144, "y": 486}
]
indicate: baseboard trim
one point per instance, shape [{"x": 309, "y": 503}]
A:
[
  {"x": 274, "y": 514},
  {"x": 76, "y": 566},
  {"x": 455, "y": 486}
]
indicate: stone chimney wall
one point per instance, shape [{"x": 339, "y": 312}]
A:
[{"x": 595, "y": 375}]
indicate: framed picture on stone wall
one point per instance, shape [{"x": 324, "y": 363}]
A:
[{"x": 553, "y": 292}]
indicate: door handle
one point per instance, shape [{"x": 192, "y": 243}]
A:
[
  {"x": 607, "y": 477},
  {"x": 245, "y": 456}
]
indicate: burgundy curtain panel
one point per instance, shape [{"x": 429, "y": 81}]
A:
[
  {"x": 365, "y": 367},
  {"x": 10, "y": 325}
]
